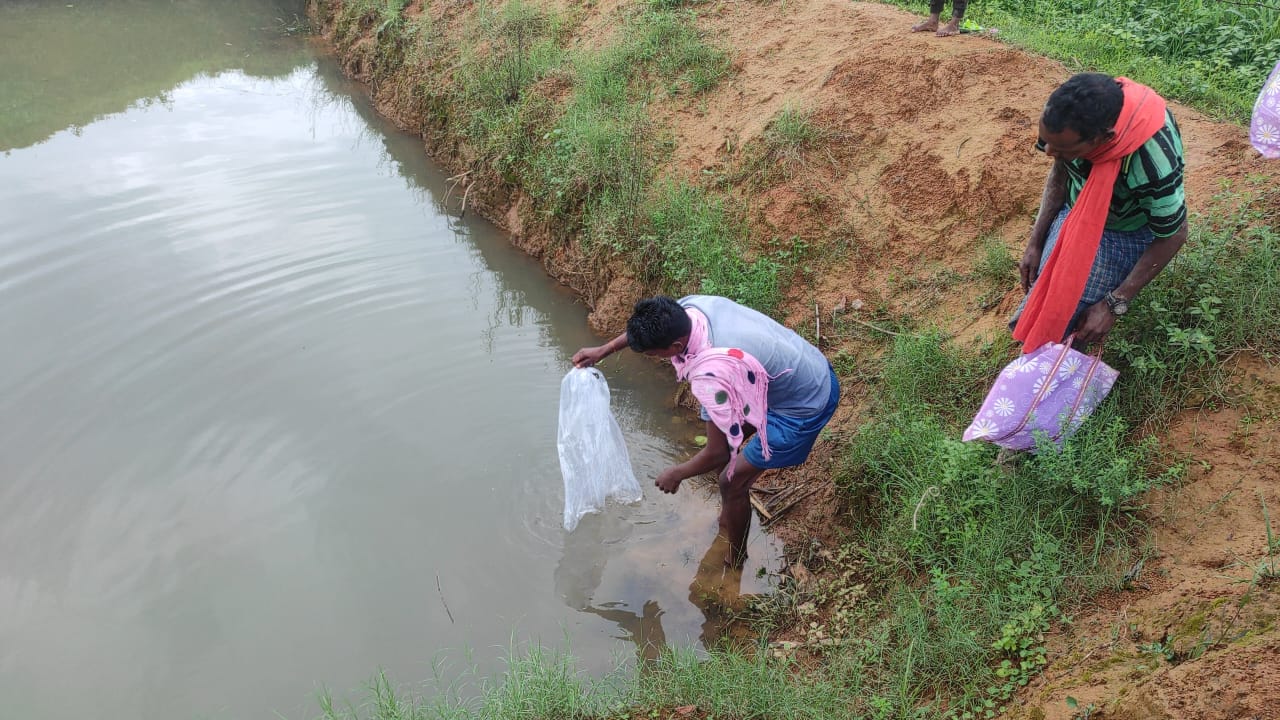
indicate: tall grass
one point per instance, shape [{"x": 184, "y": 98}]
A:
[
  {"x": 537, "y": 684},
  {"x": 355, "y": 17},
  {"x": 975, "y": 559},
  {"x": 510, "y": 47},
  {"x": 573, "y": 129},
  {"x": 790, "y": 134},
  {"x": 600, "y": 155}
]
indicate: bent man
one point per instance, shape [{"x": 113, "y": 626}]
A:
[
  {"x": 755, "y": 379},
  {"x": 1113, "y": 213}
]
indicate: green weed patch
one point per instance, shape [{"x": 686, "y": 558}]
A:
[
  {"x": 1218, "y": 297},
  {"x": 976, "y": 557},
  {"x": 694, "y": 239}
]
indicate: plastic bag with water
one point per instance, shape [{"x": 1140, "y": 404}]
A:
[{"x": 593, "y": 454}]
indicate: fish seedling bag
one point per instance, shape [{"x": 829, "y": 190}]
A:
[{"x": 593, "y": 453}]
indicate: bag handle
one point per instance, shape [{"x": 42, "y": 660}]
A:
[
  {"x": 1093, "y": 370},
  {"x": 1044, "y": 387}
]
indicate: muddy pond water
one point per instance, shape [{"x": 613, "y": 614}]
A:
[{"x": 272, "y": 416}]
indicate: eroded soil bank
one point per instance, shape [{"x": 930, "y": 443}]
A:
[{"x": 925, "y": 155}]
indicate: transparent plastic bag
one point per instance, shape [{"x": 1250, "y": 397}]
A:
[{"x": 593, "y": 454}]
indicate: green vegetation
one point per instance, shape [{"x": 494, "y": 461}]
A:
[
  {"x": 357, "y": 15},
  {"x": 790, "y": 134},
  {"x": 1210, "y": 54},
  {"x": 572, "y": 129},
  {"x": 972, "y": 558},
  {"x": 692, "y": 234},
  {"x": 1217, "y": 297}
]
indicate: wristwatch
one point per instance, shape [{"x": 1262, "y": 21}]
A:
[{"x": 1117, "y": 304}]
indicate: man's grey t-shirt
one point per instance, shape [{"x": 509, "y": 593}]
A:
[{"x": 802, "y": 392}]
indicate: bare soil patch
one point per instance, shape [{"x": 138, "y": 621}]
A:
[{"x": 1194, "y": 635}]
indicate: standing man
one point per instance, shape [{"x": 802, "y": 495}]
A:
[
  {"x": 755, "y": 379},
  {"x": 1113, "y": 213},
  {"x": 935, "y": 16}
]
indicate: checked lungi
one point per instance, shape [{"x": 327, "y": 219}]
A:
[{"x": 1118, "y": 253}]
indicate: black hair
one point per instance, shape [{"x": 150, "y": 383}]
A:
[
  {"x": 656, "y": 323},
  {"x": 1088, "y": 103}
]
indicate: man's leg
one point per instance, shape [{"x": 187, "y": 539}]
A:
[
  {"x": 735, "y": 508},
  {"x": 716, "y": 590},
  {"x": 957, "y": 14},
  {"x": 931, "y": 24}
]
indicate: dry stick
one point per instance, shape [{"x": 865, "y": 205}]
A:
[
  {"x": 785, "y": 508},
  {"x": 464, "y": 199},
  {"x": 765, "y": 516},
  {"x": 442, "y": 602},
  {"x": 453, "y": 182},
  {"x": 782, "y": 496},
  {"x": 931, "y": 491},
  {"x": 817, "y": 323},
  {"x": 778, "y": 496}
]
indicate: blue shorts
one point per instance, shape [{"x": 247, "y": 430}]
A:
[{"x": 791, "y": 439}]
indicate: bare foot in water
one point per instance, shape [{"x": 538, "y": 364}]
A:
[
  {"x": 929, "y": 25},
  {"x": 951, "y": 28}
]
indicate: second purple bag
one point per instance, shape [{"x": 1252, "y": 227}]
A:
[
  {"x": 1264, "y": 131},
  {"x": 1049, "y": 391}
]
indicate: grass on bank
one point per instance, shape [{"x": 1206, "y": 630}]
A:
[{"x": 1210, "y": 54}]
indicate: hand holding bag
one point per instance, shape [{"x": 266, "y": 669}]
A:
[{"x": 1049, "y": 391}]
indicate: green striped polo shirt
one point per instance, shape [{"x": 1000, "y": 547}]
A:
[{"x": 1148, "y": 191}]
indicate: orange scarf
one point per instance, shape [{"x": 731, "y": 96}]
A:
[{"x": 1061, "y": 284}]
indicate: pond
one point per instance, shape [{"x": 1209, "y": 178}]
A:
[{"x": 273, "y": 416}]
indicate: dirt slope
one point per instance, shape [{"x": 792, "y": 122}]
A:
[
  {"x": 1194, "y": 635},
  {"x": 926, "y": 151},
  {"x": 931, "y": 139}
]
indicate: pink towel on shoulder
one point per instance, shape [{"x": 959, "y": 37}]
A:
[{"x": 734, "y": 388}]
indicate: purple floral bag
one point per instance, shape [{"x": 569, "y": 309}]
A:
[
  {"x": 1264, "y": 131},
  {"x": 1049, "y": 391}
]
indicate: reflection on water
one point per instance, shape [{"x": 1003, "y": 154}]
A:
[
  {"x": 64, "y": 65},
  {"x": 273, "y": 417},
  {"x": 716, "y": 590}
]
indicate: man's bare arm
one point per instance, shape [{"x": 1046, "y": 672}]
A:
[
  {"x": 586, "y": 357},
  {"x": 1051, "y": 201},
  {"x": 1153, "y": 260},
  {"x": 1098, "y": 318}
]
